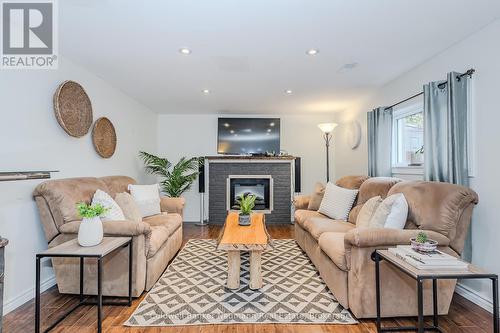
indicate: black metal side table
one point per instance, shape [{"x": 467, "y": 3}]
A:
[
  {"x": 3, "y": 244},
  {"x": 434, "y": 275},
  {"x": 72, "y": 249}
]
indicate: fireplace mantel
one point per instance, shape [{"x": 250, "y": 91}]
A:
[{"x": 248, "y": 157}]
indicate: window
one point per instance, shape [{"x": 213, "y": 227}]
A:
[{"x": 408, "y": 136}]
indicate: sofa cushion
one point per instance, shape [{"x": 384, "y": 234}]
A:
[
  {"x": 375, "y": 186},
  {"x": 162, "y": 227},
  {"x": 436, "y": 206},
  {"x": 301, "y": 215},
  {"x": 332, "y": 243},
  {"x": 351, "y": 182},
  {"x": 62, "y": 195},
  {"x": 159, "y": 235},
  {"x": 172, "y": 221},
  {"x": 367, "y": 210},
  {"x": 128, "y": 207},
  {"x": 317, "y": 226},
  {"x": 113, "y": 212},
  {"x": 117, "y": 184},
  {"x": 394, "y": 209},
  {"x": 316, "y": 196},
  {"x": 147, "y": 198},
  {"x": 337, "y": 202}
]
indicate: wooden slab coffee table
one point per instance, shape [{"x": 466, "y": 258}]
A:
[{"x": 235, "y": 238}]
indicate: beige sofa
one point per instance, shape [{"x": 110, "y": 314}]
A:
[
  {"x": 342, "y": 253},
  {"x": 155, "y": 240}
]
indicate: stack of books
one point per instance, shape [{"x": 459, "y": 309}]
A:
[{"x": 428, "y": 260}]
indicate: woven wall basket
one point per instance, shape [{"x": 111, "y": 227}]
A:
[
  {"x": 104, "y": 137},
  {"x": 73, "y": 108}
]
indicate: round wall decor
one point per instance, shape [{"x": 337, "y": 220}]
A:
[
  {"x": 104, "y": 137},
  {"x": 354, "y": 134},
  {"x": 73, "y": 108}
]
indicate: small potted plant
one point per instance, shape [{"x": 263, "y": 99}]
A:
[
  {"x": 423, "y": 243},
  {"x": 90, "y": 232},
  {"x": 246, "y": 203},
  {"x": 417, "y": 157}
]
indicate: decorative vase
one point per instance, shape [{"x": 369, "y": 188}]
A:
[
  {"x": 244, "y": 219},
  {"x": 90, "y": 232},
  {"x": 429, "y": 246},
  {"x": 416, "y": 159}
]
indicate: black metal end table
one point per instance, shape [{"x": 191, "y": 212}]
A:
[
  {"x": 72, "y": 249},
  {"x": 420, "y": 275}
]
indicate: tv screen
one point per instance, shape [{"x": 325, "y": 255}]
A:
[{"x": 248, "y": 136}]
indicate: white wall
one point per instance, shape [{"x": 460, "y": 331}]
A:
[
  {"x": 31, "y": 139},
  {"x": 196, "y": 135},
  {"x": 482, "y": 52}
]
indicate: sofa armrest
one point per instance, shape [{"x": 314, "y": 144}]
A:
[
  {"x": 112, "y": 228},
  {"x": 172, "y": 205},
  {"x": 368, "y": 237},
  {"x": 301, "y": 201}
]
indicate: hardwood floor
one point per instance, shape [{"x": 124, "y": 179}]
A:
[{"x": 464, "y": 316}]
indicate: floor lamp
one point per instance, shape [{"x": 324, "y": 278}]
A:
[{"x": 327, "y": 129}]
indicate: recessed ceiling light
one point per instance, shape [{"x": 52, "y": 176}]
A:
[
  {"x": 268, "y": 130},
  {"x": 185, "y": 50},
  {"x": 207, "y": 92},
  {"x": 231, "y": 131},
  {"x": 226, "y": 125},
  {"x": 271, "y": 124},
  {"x": 288, "y": 91},
  {"x": 312, "y": 51}
]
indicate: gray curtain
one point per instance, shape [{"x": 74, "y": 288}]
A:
[
  {"x": 445, "y": 135},
  {"x": 380, "y": 142}
]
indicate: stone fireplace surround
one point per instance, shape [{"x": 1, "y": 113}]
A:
[{"x": 218, "y": 169}]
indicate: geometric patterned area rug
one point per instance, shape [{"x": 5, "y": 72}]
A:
[{"x": 192, "y": 291}]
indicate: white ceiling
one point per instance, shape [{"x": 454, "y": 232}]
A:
[{"x": 249, "y": 52}]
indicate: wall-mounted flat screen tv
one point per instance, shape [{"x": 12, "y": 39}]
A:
[{"x": 242, "y": 136}]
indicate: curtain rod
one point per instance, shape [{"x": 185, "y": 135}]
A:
[{"x": 468, "y": 73}]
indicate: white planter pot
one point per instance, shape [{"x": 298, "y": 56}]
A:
[
  {"x": 416, "y": 158},
  {"x": 244, "y": 220},
  {"x": 90, "y": 232}
]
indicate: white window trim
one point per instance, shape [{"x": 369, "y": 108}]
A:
[{"x": 397, "y": 114}]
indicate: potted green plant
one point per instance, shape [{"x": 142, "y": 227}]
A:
[
  {"x": 417, "y": 157},
  {"x": 90, "y": 232},
  {"x": 246, "y": 203},
  {"x": 176, "y": 180},
  {"x": 423, "y": 243}
]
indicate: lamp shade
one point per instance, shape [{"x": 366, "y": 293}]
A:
[{"x": 327, "y": 127}]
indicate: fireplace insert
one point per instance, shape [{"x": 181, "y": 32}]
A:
[{"x": 242, "y": 185}]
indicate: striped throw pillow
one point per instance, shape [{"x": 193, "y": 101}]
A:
[{"x": 337, "y": 202}]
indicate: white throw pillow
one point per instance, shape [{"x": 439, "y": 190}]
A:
[
  {"x": 337, "y": 202},
  {"x": 147, "y": 198},
  {"x": 392, "y": 213},
  {"x": 114, "y": 212},
  {"x": 366, "y": 212}
]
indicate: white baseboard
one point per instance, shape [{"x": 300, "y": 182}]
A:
[
  {"x": 474, "y": 297},
  {"x": 29, "y": 294}
]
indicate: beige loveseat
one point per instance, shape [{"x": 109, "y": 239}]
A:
[
  {"x": 342, "y": 253},
  {"x": 155, "y": 240}
]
